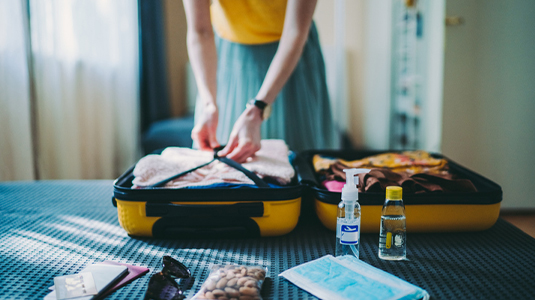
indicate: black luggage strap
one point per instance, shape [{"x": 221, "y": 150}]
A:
[{"x": 257, "y": 180}]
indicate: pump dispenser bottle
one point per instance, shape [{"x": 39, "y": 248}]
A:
[{"x": 348, "y": 221}]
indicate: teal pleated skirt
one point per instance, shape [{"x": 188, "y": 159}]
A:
[{"x": 301, "y": 114}]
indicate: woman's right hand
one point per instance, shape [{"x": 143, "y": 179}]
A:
[{"x": 204, "y": 132}]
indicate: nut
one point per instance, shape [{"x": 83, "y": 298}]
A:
[
  {"x": 256, "y": 269},
  {"x": 232, "y": 282},
  {"x": 218, "y": 293},
  {"x": 250, "y": 283},
  {"x": 232, "y": 292},
  {"x": 243, "y": 280},
  {"x": 249, "y": 291},
  {"x": 209, "y": 295},
  {"x": 245, "y": 297},
  {"x": 221, "y": 283},
  {"x": 230, "y": 274}
]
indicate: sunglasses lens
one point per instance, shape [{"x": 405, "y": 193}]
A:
[
  {"x": 163, "y": 288},
  {"x": 174, "y": 268}
]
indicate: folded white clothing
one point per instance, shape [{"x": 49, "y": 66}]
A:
[{"x": 270, "y": 161}]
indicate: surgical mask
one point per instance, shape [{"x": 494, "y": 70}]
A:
[{"x": 346, "y": 277}]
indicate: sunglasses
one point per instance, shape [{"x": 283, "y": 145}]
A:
[{"x": 163, "y": 285}]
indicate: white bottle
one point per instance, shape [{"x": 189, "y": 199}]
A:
[{"x": 348, "y": 221}]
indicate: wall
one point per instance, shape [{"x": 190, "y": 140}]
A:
[
  {"x": 177, "y": 54},
  {"x": 489, "y": 94},
  {"x": 355, "y": 19}
]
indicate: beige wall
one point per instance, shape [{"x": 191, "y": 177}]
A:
[
  {"x": 177, "y": 55},
  {"x": 355, "y": 20},
  {"x": 324, "y": 17},
  {"x": 489, "y": 94}
]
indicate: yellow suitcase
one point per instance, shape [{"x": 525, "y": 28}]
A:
[
  {"x": 427, "y": 212},
  {"x": 218, "y": 212}
]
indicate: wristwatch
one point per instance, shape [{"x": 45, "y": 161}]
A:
[{"x": 265, "y": 109}]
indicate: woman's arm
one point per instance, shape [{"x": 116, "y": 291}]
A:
[
  {"x": 244, "y": 139},
  {"x": 294, "y": 36},
  {"x": 203, "y": 59}
]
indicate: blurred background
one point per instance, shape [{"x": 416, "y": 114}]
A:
[{"x": 88, "y": 87}]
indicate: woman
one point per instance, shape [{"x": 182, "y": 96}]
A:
[{"x": 264, "y": 51}]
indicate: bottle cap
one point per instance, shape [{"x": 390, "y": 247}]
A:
[
  {"x": 394, "y": 192},
  {"x": 350, "y": 191}
]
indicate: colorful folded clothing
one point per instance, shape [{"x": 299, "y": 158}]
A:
[
  {"x": 415, "y": 171},
  {"x": 270, "y": 163},
  {"x": 408, "y": 161},
  {"x": 378, "y": 179}
]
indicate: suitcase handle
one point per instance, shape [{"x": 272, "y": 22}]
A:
[
  {"x": 255, "y": 209},
  {"x": 195, "y": 227},
  {"x": 305, "y": 172}
]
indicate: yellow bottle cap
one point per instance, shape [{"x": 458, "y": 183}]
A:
[{"x": 394, "y": 192}]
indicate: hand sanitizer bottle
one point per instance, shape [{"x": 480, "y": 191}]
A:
[
  {"x": 393, "y": 234},
  {"x": 348, "y": 221}
]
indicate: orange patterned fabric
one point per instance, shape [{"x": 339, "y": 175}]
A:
[{"x": 408, "y": 161}]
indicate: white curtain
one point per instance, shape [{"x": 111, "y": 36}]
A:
[
  {"x": 85, "y": 64},
  {"x": 16, "y": 160}
]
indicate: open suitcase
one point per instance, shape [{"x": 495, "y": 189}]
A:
[
  {"x": 426, "y": 212},
  {"x": 175, "y": 213},
  {"x": 265, "y": 211}
]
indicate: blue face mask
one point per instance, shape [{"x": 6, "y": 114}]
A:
[{"x": 349, "y": 278}]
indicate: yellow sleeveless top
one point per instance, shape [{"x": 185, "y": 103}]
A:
[{"x": 248, "y": 21}]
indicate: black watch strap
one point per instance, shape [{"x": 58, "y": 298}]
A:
[
  {"x": 265, "y": 108},
  {"x": 259, "y": 103}
]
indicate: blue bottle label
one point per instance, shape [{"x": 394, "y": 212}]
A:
[{"x": 349, "y": 234}]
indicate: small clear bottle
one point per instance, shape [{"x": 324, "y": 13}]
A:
[
  {"x": 347, "y": 229},
  {"x": 348, "y": 220},
  {"x": 393, "y": 234}
]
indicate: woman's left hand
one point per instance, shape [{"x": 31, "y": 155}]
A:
[{"x": 244, "y": 139}]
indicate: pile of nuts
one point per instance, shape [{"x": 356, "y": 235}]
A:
[{"x": 233, "y": 282}]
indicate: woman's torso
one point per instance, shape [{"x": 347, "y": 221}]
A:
[{"x": 248, "y": 21}]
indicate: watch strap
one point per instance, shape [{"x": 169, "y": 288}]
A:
[{"x": 259, "y": 103}]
